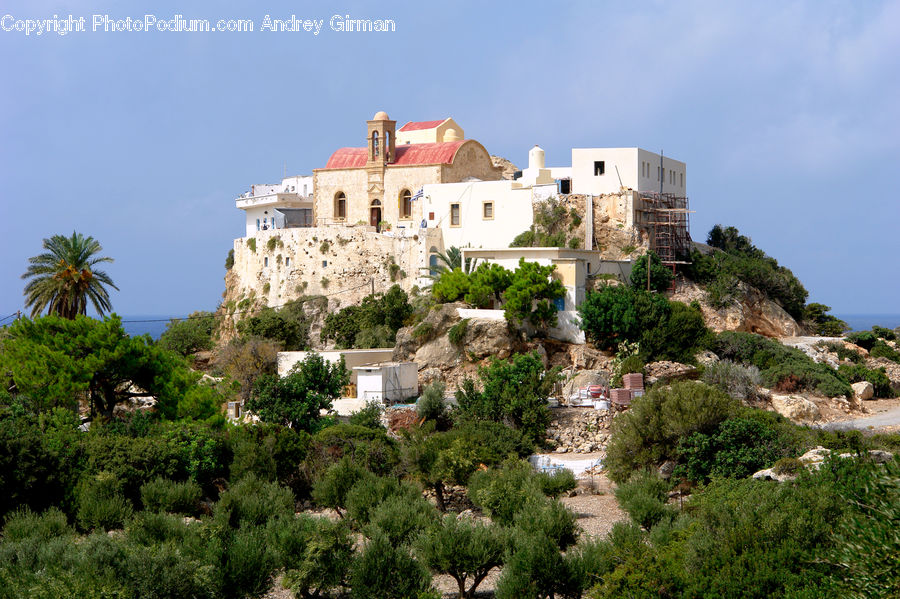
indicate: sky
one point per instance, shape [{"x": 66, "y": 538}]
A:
[{"x": 786, "y": 113}]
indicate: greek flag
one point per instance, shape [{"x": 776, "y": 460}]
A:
[{"x": 418, "y": 195}]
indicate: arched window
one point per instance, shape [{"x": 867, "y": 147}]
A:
[
  {"x": 405, "y": 204},
  {"x": 375, "y": 144},
  {"x": 432, "y": 261},
  {"x": 340, "y": 205},
  {"x": 387, "y": 144}
]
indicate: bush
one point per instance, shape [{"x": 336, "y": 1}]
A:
[
  {"x": 315, "y": 553},
  {"x": 385, "y": 571},
  {"x": 369, "y": 448},
  {"x": 738, "y": 448},
  {"x": 457, "y": 333},
  {"x": 864, "y": 339},
  {"x": 288, "y": 326},
  {"x": 856, "y": 373},
  {"x": 644, "y": 498},
  {"x": 843, "y": 352},
  {"x": 530, "y": 295},
  {"x": 370, "y": 490},
  {"x": 25, "y": 524},
  {"x": 487, "y": 284},
  {"x": 451, "y": 286},
  {"x": 163, "y": 495},
  {"x": 537, "y": 570},
  {"x": 189, "y": 335},
  {"x": 295, "y": 400},
  {"x": 401, "y": 518},
  {"x": 101, "y": 503},
  {"x": 884, "y": 333},
  {"x": 660, "y": 275},
  {"x": 432, "y": 406},
  {"x": 788, "y": 466},
  {"x": 555, "y": 484},
  {"x": 374, "y": 322},
  {"x": 255, "y": 502},
  {"x": 269, "y": 452},
  {"x": 882, "y": 350},
  {"x": 503, "y": 492},
  {"x": 465, "y": 550},
  {"x": 368, "y": 416},
  {"x": 514, "y": 392},
  {"x": 648, "y": 433},
  {"x": 548, "y": 518},
  {"x": 740, "y": 382},
  {"x": 332, "y": 488}
]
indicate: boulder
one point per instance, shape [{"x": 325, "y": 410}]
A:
[
  {"x": 753, "y": 312},
  {"x": 489, "y": 338},
  {"x": 666, "y": 371},
  {"x": 863, "y": 390},
  {"x": 795, "y": 407},
  {"x": 770, "y": 474},
  {"x": 706, "y": 357}
]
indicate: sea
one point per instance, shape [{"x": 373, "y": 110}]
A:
[
  {"x": 864, "y": 322},
  {"x": 153, "y": 325}
]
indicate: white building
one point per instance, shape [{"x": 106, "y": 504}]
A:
[
  {"x": 278, "y": 205},
  {"x": 388, "y": 382},
  {"x": 598, "y": 171}
]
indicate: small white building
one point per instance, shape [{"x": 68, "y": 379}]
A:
[
  {"x": 598, "y": 171},
  {"x": 278, "y": 205},
  {"x": 352, "y": 359},
  {"x": 388, "y": 382}
]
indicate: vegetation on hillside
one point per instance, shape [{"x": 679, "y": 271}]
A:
[{"x": 373, "y": 323}]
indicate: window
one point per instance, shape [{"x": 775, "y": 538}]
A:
[
  {"x": 681, "y": 177},
  {"x": 266, "y": 261},
  {"x": 324, "y": 263},
  {"x": 340, "y": 205},
  {"x": 599, "y": 167},
  {"x": 431, "y": 216},
  {"x": 287, "y": 261},
  {"x": 565, "y": 186},
  {"x": 273, "y": 222},
  {"x": 454, "y": 215},
  {"x": 257, "y": 224},
  {"x": 487, "y": 210},
  {"x": 304, "y": 189},
  {"x": 375, "y": 144},
  {"x": 657, "y": 173},
  {"x": 405, "y": 204}
]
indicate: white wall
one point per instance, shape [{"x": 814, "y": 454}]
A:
[
  {"x": 512, "y": 212},
  {"x": 391, "y": 382},
  {"x": 637, "y": 169},
  {"x": 352, "y": 358}
]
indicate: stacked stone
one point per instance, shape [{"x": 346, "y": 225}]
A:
[{"x": 586, "y": 432}]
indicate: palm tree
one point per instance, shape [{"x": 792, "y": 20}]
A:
[
  {"x": 63, "y": 279},
  {"x": 451, "y": 259}
]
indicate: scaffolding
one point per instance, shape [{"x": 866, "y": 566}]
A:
[{"x": 664, "y": 217}]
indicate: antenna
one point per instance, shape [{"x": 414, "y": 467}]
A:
[
  {"x": 284, "y": 171},
  {"x": 662, "y": 172}
]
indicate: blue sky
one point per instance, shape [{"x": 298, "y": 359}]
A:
[{"x": 786, "y": 113}]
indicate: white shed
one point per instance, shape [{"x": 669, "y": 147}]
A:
[{"x": 389, "y": 382}]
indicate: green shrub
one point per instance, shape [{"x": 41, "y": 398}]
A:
[
  {"x": 843, "y": 352},
  {"x": 368, "y": 416},
  {"x": 817, "y": 319},
  {"x": 548, "y": 518},
  {"x": 457, "y": 333},
  {"x": 254, "y": 502},
  {"x": 648, "y": 433},
  {"x": 324, "y": 247},
  {"x": 856, "y": 373},
  {"x": 486, "y": 285},
  {"x": 25, "y": 524},
  {"x": 736, "y": 449},
  {"x": 740, "y": 382},
  {"x": 531, "y": 295},
  {"x": 152, "y": 528},
  {"x": 660, "y": 275},
  {"x": 503, "y": 492},
  {"x": 163, "y": 495},
  {"x": 332, "y": 488},
  {"x": 386, "y": 571},
  {"x": 884, "y": 333},
  {"x": 101, "y": 503},
  {"x": 369, "y": 448},
  {"x": 370, "y": 490},
  {"x": 514, "y": 392},
  {"x": 288, "y": 325},
  {"x": 882, "y": 350},
  {"x": 555, "y": 484},
  {"x": 864, "y": 339},
  {"x": 644, "y": 498},
  {"x": 432, "y": 406},
  {"x": 315, "y": 553},
  {"x": 251, "y": 243},
  {"x": 451, "y": 286},
  {"x": 423, "y": 332},
  {"x": 229, "y": 259},
  {"x": 401, "y": 518},
  {"x": 537, "y": 570},
  {"x": 189, "y": 335},
  {"x": 466, "y": 550},
  {"x": 788, "y": 466}
]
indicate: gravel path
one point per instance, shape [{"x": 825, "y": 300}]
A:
[{"x": 889, "y": 418}]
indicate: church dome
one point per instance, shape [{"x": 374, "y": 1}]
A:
[
  {"x": 451, "y": 134},
  {"x": 381, "y": 116}
]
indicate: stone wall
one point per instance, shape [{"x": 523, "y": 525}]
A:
[{"x": 338, "y": 262}]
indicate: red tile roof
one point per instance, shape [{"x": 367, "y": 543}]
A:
[
  {"x": 407, "y": 155},
  {"x": 419, "y": 125}
]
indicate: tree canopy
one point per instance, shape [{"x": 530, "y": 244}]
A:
[{"x": 64, "y": 278}]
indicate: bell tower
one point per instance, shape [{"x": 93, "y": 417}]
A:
[{"x": 381, "y": 151}]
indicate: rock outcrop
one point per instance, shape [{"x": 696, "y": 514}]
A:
[
  {"x": 892, "y": 369},
  {"x": 667, "y": 372},
  {"x": 509, "y": 169},
  {"x": 795, "y": 407},
  {"x": 753, "y": 313}
]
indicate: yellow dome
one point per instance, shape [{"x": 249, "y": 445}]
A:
[
  {"x": 381, "y": 116},
  {"x": 451, "y": 134}
]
